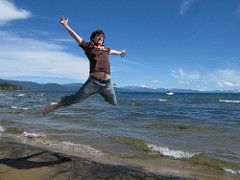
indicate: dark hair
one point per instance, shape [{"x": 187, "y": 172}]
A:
[{"x": 97, "y": 32}]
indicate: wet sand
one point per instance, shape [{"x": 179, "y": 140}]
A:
[{"x": 22, "y": 161}]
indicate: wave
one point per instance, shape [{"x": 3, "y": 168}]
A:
[
  {"x": 235, "y": 172},
  {"x": 1, "y": 129},
  {"x": 162, "y": 100},
  {"x": 229, "y": 101},
  {"x": 67, "y": 146},
  {"x": 165, "y": 151},
  {"x": 32, "y": 135},
  {"x": 20, "y": 95},
  {"x": 182, "y": 128},
  {"x": 13, "y": 131},
  {"x": 196, "y": 157},
  {"x": 81, "y": 148},
  {"x": 21, "y": 108},
  {"x": 137, "y": 104},
  {"x": 53, "y": 103}
]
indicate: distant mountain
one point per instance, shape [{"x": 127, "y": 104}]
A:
[
  {"x": 72, "y": 86},
  {"x": 33, "y": 86},
  {"x": 146, "y": 88}
]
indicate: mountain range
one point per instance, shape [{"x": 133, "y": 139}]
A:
[{"x": 33, "y": 86}]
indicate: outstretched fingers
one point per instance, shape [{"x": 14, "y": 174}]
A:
[
  {"x": 63, "y": 20},
  {"x": 123, "y": 53}
]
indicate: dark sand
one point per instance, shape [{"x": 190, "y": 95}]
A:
[{"x": 21, "y": 161}]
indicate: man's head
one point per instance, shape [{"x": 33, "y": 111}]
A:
[{"x": 98, "y": 37}]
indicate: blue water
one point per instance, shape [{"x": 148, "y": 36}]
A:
[{"x": 202, "y": 128}]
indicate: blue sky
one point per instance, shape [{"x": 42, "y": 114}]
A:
[{"x": 170, "y": 43}]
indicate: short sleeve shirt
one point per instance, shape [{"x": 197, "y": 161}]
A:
[{"x": 97, "y": 56}]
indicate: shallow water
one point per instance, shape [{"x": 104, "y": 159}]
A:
[{"x": 202, "y": 128}]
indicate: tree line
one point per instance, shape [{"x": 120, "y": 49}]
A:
[{"x": 10, "y": 87}]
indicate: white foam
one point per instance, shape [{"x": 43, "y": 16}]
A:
[
  {"x": 68, "y": 146},
  {"x": 177, "y": 154},
  {"x": 1, "y": 129},
  {"x": 15, "y": 107},
  {"x": 81, "y": 148},
  {"x": 232, "y": 171},
  {"x": 229, "y": 101},
  {"x": 20, "y": 95},
  {"x": 53, "y": 103},
  {"x": 162, "y": 100},
  {"x": 32, "y": 135}
]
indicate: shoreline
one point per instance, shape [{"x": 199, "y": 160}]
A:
[{"x": 24, "y": 161}]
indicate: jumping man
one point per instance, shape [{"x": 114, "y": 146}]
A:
[{"x": 99, "y": 75}]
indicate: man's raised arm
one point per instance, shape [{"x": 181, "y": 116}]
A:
[{"x": 64, "y": 21}]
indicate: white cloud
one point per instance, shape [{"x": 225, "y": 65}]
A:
[
  {"x": 185, "y": 82},
  {"x": 226, "y": 73},
  {"x": 185, "y": 7},
  {"x": 224, "y": 83},
  {"x": 181, "y": 74},
  {"x": 63, "y": 40},
  {"x": 30, "y": 57},
  {"x": 181, "y": 82},
  {"x": 155, "y": 81},
  {"x": 226, "y": 77},
  {"x": 9, "y": 12},
  {"x": 221, "y": 77},
  {"x": 11, "y": 40}
]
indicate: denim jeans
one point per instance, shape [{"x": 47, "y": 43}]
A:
[{"x": 90, "y": 87}]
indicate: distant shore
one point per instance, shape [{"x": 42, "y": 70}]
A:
[{"x": 34, "y": 86}]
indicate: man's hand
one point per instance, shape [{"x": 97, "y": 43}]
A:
[
  {"x": 123, "y": 53},
  {"x": 63, "y": 21}
]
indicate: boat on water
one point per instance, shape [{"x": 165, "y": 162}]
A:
[{"x": 169, "y": 93}]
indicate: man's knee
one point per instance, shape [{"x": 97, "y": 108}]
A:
[{"x": 114, "y": 102}]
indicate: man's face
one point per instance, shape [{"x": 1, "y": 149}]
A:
[{"x": 98, "y": 39}]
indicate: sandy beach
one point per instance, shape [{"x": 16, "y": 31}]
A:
[
  {"x": 26, "y": 161},
  {"x": 22, "y": 161}
]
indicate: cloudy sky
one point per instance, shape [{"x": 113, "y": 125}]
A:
[{"x": 170, "y": 43}]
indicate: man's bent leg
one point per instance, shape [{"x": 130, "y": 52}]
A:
[
  {"x": 51, "y": 108},
  {"x": 109, "y": 94},
  {"x": 89, "y": 88}
]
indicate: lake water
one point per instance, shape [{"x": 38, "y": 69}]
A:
[{"x": 202, "y": 128}]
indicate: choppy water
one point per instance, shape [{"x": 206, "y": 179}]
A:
[{"x": 202, "y": 128}]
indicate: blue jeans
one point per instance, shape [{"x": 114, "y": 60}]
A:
[{"x": 90, "y": 87}]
